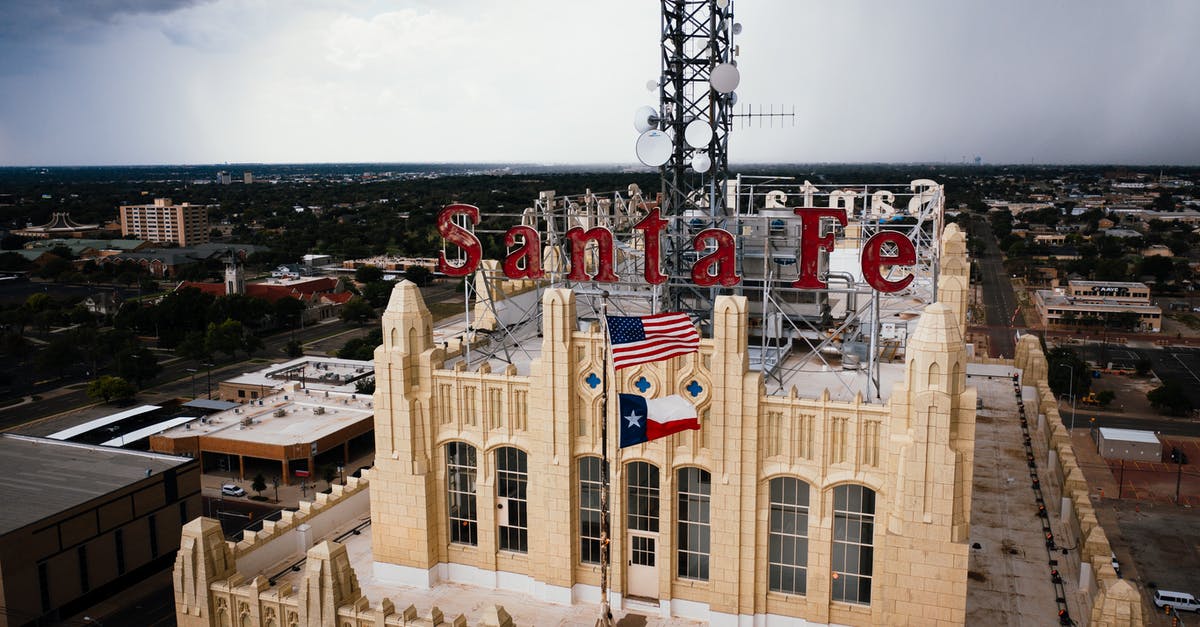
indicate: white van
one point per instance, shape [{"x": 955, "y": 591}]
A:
[{"x": 1177, "y": 600}]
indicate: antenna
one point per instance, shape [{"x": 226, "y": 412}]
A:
[
  {"x": 749, "y": 116},
  {"x": 687, "y": 137}
]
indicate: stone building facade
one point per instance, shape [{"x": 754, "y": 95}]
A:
[{"x": 779, "y": 506}]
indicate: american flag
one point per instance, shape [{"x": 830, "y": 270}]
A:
[{"x": 638, "y": 340}]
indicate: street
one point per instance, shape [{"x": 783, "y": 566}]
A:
[{"x": 999, "y": 301}]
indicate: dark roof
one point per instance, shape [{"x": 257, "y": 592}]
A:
[{"x": 44, "y": 477}]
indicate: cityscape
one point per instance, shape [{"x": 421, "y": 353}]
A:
[{"x": 725, "y": 365}]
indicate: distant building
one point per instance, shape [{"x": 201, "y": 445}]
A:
[
  {"x": 322, "y": 297},
  {"x": 248, "y": 177},
  {"x": 1098, "y": 303},
  {"x": 166, "y": 222},
  {"x": 320, "y": 374},
  {"x": 82, "y": 522},
  {"x": 288, "y": 434},
  {"x": 224, "y": 178},
  {"x": 60, "y": 225}
]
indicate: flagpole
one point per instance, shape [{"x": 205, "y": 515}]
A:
[{"x": 605, "y": 610}]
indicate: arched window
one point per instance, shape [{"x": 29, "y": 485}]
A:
[
  {"x": 641, "y": 481},
  {"x": 695, "y": 489},
  {"x": 787, "y": 556},
  {"x": 935, "y": 373},
  {"x": 853, "y": 543},
  {"x": 460, "y": 489},
  {"x": 590, "y": 485},
  {"x": 512, "y": 504}
]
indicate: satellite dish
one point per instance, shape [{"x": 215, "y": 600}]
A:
[
  {"x": 654, "y": 148},
  {"x": 732, "y": 98},
  {"x": 645, "y": 119},
  {"x": 737, "y": 28},
  {"x": 651, "y": 85},
  {"x": 721, "y": 4},
  {"x": 701, "y": 162},
  {"x": 698, "y": 134},
  {"x": 725, "y": 77}
]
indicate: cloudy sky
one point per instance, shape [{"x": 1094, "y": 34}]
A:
[{"x": 554, "y": 81}]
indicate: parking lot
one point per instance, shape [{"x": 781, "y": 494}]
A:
[{"x": 1169, "y": 363}]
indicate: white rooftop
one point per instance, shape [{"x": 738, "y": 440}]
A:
[
  {"x": 1128, "y": 435},
  {"x": 304, "y": 416},
  {"x": 318, "y": 373}
]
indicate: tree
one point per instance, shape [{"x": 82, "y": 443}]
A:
[
  {"x": 368, "y": 274},
  {"x": 107, "y": 388},
  {"x": 138, "y": 365},
  {"x": 1170, "y": 398},
  {"x": 365, "y": 386},
  {"x": 1105, "y": 397},
  {"x": 357, "y": 311},
  {"x": 294, "y": 348},
  {"x": 225, "y": 337},
  {"x": 377, "y": 293},
  {"x": 259, "y": 484},
  {"x": 288, "y": 311},
  {"x": 329, "y": 473},
  {"x": 1063, "y": 362},
  {"x": 1142, "y": 367},
  {"x": 62, "y": 351},
  {"x": 419, "y": 275},
  {"x": 194, "y": 346}
]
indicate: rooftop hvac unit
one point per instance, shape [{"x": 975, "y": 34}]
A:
[
  {"x": 280, "y": 412},
  {"x": 247, "y": 421},
  {"x": 318, "y": 410}
]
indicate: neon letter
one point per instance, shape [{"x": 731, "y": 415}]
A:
[
  {"x": 530, "y": 250},
  {"x": 460, "y": 237},
  {"x": 652, "y": 225},
  {"x": 811, "y": 241},
  {"x": 604, "y": 254},
  {"x": 723, "y": 258},
  {"x": 873, "y": 260}
]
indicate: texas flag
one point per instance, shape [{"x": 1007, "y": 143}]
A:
[{"x": 644, "y": 419}]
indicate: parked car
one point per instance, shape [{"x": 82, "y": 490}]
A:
[{"x": 232, "y": 490}]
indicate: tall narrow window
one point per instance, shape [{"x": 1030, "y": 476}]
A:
[
  {"x": 853, "y": 543},
  {"x": 153, "y": 535},
  {"x": 84, "y": 584},
  {"x": 512, "y": 512},
  {"x": 590, "y": 485},
  {"x": 44, "y": 585},
  {"x": 695, "y": 488},
  {"x": 642, "y": 491},
  {"x": 460, "y": 488},
  {"x": 119, "y": 539},
  {"x": 787, "y": 556}
]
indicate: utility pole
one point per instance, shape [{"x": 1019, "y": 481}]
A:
[
  {"x": 1178, "y": 458},
  {"x": 208, "y": 376},
  {"x": 1072, "y": 391}
]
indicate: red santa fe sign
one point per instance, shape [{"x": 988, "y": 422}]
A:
[{"x": 716, "y": 268}]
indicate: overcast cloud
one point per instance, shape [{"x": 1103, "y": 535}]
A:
[{"x": 195, "y": 81}]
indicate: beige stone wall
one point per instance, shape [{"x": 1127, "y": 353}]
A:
[
  {"x": 915, "y": 453},
  {"x": 1109, "y": 600}
]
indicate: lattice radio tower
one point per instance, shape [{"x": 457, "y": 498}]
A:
[{"x": 687, "y": 137}]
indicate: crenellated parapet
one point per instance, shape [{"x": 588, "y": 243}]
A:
[
  {"x": 1108, "y": 599},
  {"x": 213, "y": 587}
]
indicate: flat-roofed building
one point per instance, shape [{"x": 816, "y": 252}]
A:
[
  {"x": 79, "y": 522},
  {"x": 1057, "y": 310},
  {"x": 321, "y": 374},
  {"x": 165, "y": 222},
  {"x": 1130, "y": 292},
  {"x": 1132, "y": 444},
  {"x": 289, "y": 434}
]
